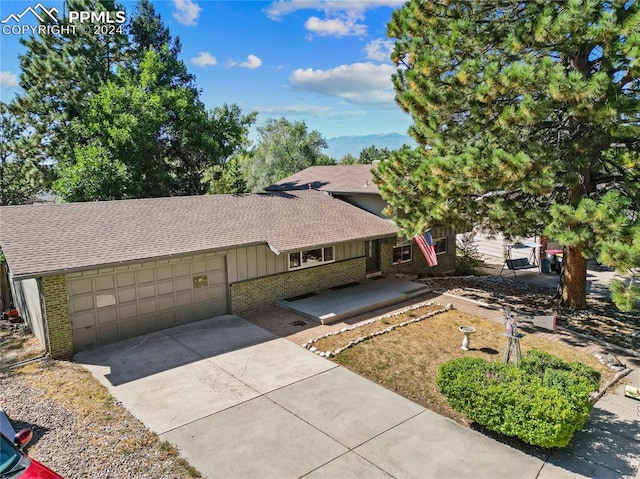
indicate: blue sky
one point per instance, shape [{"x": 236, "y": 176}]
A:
[{"x": 323, "y": 62}]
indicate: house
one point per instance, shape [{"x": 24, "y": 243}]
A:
[
  {"x": 391, "y": 255},
  {"x": 84, "y": 274}
]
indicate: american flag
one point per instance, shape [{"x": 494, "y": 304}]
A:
[{"x": 425, "y": 243}]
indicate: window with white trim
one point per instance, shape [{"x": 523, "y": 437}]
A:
[
  {"x": 441, "y": 245},
  {"x": 402, "y": 254},
  {"x": 311, "y": 257}
]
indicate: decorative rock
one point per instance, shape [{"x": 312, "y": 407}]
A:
[
  {"x": 448, "y": 307},
  {"x": 313, "y": 349},
  {"x": 327, "y": 354}
]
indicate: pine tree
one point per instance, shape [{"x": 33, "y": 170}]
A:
[
  {"x": 370, "y": 154},
  {"x": 527, "y": 118},
  {"x": 59, "y": 72},
  {"x": 148, "y": 32},
  {"x": 20, "y": 179}
]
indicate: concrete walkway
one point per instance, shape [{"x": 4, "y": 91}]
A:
[
  {"x": 331, "y": 305},
  {"x": 239, "y": 402}
]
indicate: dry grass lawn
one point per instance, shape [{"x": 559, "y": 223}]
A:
[{"x": 406, "y": 360}]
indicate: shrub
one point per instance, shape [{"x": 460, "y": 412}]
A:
[
  {"x": 542, "y": 403},
  {"x": 468, "y": 258}
]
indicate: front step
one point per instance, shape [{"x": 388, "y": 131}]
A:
[{"x": 414, "y": 293}]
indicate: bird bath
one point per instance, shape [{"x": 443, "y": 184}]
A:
[{"x": 467, "y": 331}]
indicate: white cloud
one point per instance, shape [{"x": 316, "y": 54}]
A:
[
  {"x": 252, "y": 63},
  {"x": 335, "y": 27},
  {"x": 307, "y": 110},
  {"x": 294, "y": 110},
  {"x": 281, "y": 8},
  {"x": 8, "y": 79},
  {"x": 204, "y": 59},
  {"x": 187, "y": 12},
  {"x": 379, "y": 50},
  {"x": 341, "y": 17},
  {"x": 358, "y": 83}
]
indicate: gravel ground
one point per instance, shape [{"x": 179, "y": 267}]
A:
[
  {"x": 80, "y": 431},
  {"x": 600, "y": 320}
]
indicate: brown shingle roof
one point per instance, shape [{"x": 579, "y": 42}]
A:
[
  {"x": 333, "y": 179},
  {"x": 39, "y": 239}
]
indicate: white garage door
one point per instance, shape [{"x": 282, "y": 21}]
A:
[{"x": 118, "y": 303}]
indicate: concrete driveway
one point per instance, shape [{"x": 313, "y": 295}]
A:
[{"x": 239, "y": 402}]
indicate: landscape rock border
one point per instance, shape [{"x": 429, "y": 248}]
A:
[{"x": 328, "y": 354}]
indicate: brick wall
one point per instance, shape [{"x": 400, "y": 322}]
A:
[
  {"x": 257, "y": 293},
  {"x": 56, "y": 316},
  {"x": 418, "y": 265}
]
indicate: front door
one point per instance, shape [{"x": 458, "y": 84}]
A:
[{"x": 373, "y": 256}]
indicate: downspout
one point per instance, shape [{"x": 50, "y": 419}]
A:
[{"x": 43, "y": 311}]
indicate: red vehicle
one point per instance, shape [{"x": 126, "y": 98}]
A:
[{"x": 16, "y": 464}]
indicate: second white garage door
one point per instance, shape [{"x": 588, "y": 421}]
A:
[{"x": 116, "y": 303}]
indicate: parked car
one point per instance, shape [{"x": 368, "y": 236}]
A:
[{"x": 14, "y": 463}]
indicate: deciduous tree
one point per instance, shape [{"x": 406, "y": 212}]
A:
[
  {"x": 145, "y": 132},
  {"x": 144, "y": 137},
  {"x": 283, "y": 148}
]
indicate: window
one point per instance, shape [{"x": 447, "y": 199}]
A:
[
  {"x": 441, "y": 245},
  {"x": 200, "y": 281},
  {"x": 104, "y": 300},
  {"x": 401, "y": 254},
  {"x": 311, "y": 257}
]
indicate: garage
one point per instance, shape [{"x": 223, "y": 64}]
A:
[
  {"x": 86, "y": 274},
  {"x": 109, "y": 304}
]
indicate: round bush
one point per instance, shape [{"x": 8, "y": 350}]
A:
[{"x": 542, "y": 402}]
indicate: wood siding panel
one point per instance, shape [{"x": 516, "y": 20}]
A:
[
  {"x": 232, "y": 265},
  {"x": 271, "y": 262},
  {"x": 252, "y": 261},
  {"x": 259, "y": 261},
  {"x": 262, "y": 258},
  {"x": 241, "y": 264}
]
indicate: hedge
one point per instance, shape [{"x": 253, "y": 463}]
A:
[{"x": 543, "y": 401}]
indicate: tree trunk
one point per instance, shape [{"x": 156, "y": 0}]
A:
[{"x": 574, "y": 281}]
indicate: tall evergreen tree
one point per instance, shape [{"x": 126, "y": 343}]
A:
[
  {"x": 59, "y": 72},
  {"x": 148, "y": 32},
  {"x": 371, "y": 153},
  {"x": 527, "y": 118},
  {"x": 20, "y": 179}
]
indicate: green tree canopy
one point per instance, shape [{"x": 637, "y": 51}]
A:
[
  {"x": 119, "y": 115},
  {"x": 144, "y": 137},
  {"x": 59, "y": 73},
  {"x": 283, "y": 148},
  {"x": 20, "y": 179},
  {"x": 527, "y": 120},
  {"x": 367, "y": 156}
]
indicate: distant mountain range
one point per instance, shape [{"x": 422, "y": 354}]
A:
[{"x": 339, "y": 146}]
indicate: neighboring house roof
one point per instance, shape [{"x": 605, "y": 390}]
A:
[
  {"x": 43, "y": 239},
  {"x": 333, "y": 179}
]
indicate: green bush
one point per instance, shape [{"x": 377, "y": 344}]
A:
[
  {"x": 468, "y": 258},
  {"x": 543, "y": 403},
  {"x": 539, "y": 363}
]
